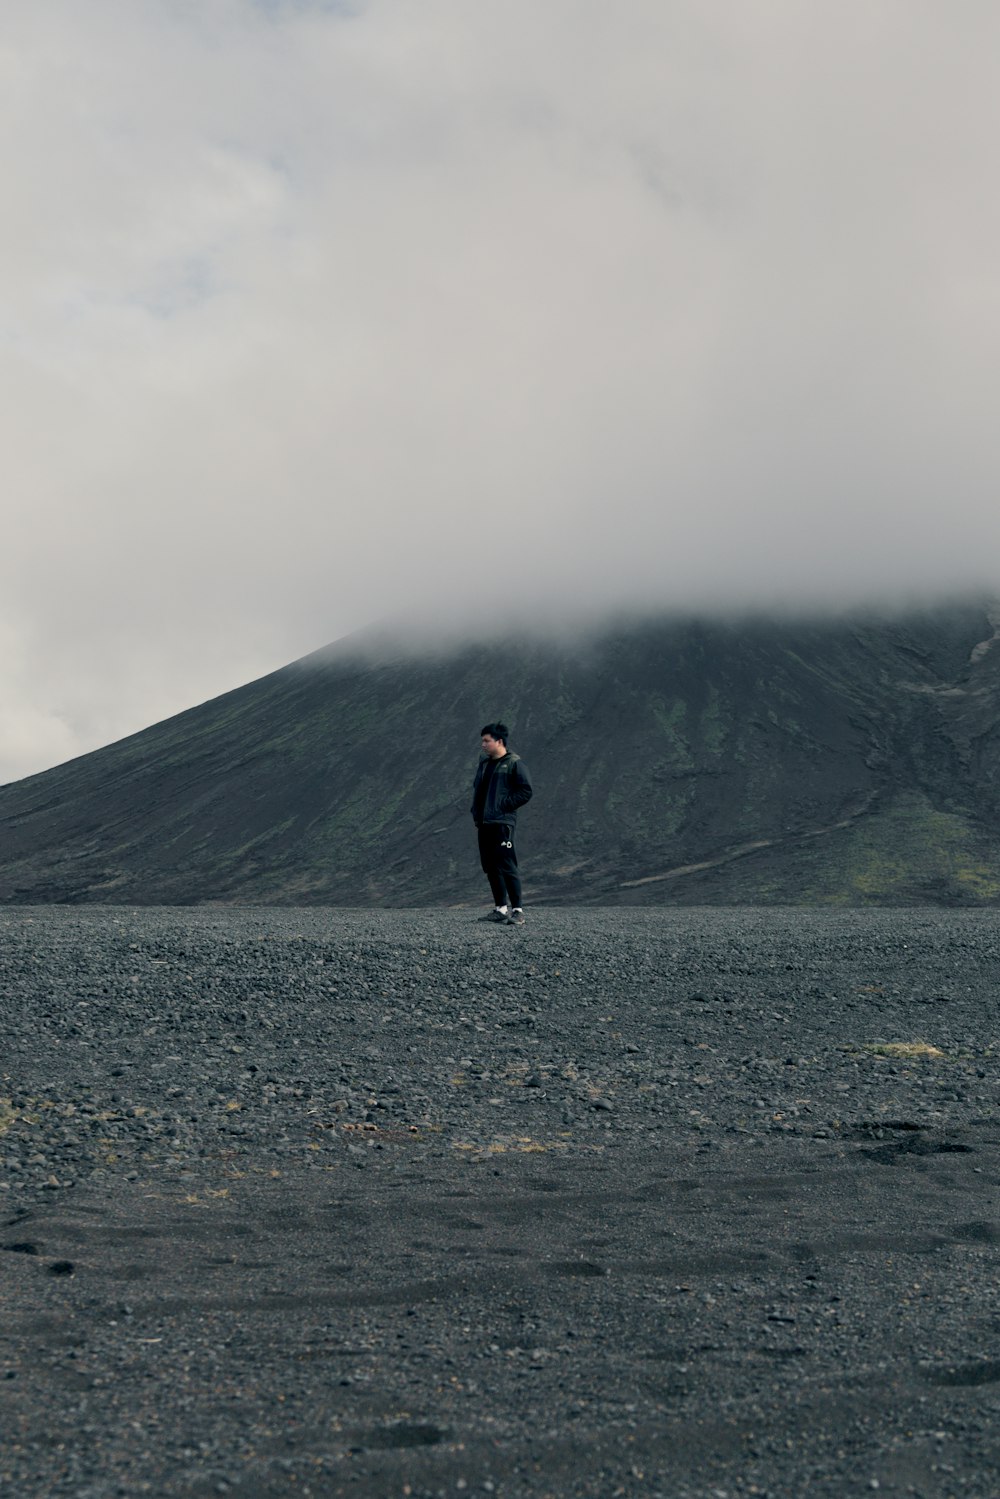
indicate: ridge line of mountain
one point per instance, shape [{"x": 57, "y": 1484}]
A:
[{"x": 691, "y": 761}]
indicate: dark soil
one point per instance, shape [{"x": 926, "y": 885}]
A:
[{"x": 622, "y": 1203}]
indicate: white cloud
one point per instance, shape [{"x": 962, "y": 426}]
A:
[{"x": 314, "y": 312}]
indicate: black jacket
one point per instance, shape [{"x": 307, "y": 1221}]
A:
[{"x": 509, "y": 789}]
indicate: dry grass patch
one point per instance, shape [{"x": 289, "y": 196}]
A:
[{"x": 912, "y": 1050}]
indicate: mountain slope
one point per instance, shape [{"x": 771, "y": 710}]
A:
[{"x": 673, "y": 761}]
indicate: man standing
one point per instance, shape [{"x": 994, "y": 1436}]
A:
[{"x": 500, "y": 787}]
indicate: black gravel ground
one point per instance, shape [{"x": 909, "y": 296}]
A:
[{"x": 695, "y": 1203}]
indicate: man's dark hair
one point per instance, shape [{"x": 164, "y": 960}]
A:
[{"x": 496, "y": 731}]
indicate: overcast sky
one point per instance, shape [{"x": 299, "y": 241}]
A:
[{"x": 313, "y": 312}]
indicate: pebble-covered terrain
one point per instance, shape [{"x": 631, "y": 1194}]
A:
[{"x": 699, "y": 1204}]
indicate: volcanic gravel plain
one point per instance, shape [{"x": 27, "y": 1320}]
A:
[{"x": 680, "y": 1203}]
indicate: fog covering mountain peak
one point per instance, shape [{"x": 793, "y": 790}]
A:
[{"x": 563, "y": 308}]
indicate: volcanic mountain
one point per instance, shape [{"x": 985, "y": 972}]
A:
[{"x": 675, "y": 761}]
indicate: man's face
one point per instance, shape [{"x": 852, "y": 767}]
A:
[{"x": 495, "y": 748}]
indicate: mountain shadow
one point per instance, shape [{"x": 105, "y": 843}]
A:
[{"x": 692, "y": 761}]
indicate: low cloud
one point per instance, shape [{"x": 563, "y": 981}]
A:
[{"x": 319, "y": 313}]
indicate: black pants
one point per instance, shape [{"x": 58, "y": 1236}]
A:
[{"x": 498, "y": 857}]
